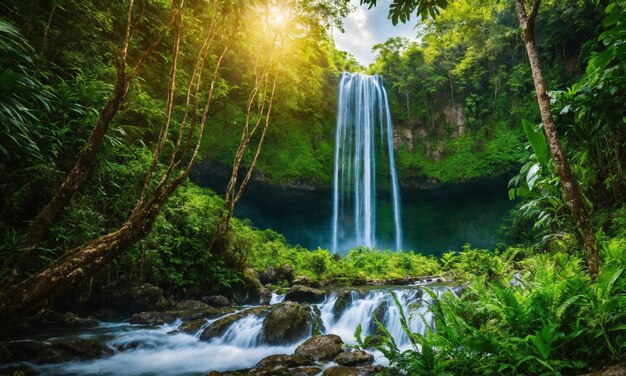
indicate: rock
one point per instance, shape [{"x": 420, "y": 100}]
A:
[
  {"x": 152, "y": 318},
  {"x": 287, "y": 323},
  {"x": 339, "y": 371},
  {"x": 266, "y": 295},
  {"x": 344, "y": 299},
  {"x": 68, "y": 319},
  {"x": 305, "y": 281},
  {"x": 192, "y": 327},
  {"x": 617, "y": 370},
  {"x": 378, "y": 314},
  {"x": 146, "y": 296},
  {"x": 44, "y": 352},
  {"x": 305, "y": 294},
  {"x": 207, "y": 313},
  {"x": 248, "y": 291},
  {"x": 283, "y": 360},
  {"x": 305, "y": 371},
  {"x": 165, "y": 304},
  {"x": 191, "y": 304},
  {"x": 105, "y": 313},
  {"x": 217, "y": 301},
  {"x": 269, "y": 275},
  {"x": 322, "y": 347},
  {"x": 356, "y": 371},
  {"x": 85, "y": 349},
  {"x": 318, "y": 323},
  {"x": 17, "y": 369},
  {"x": 273, "y": 371},
  {"x": 240, "y": 372},
  {"x": 354, "y": 358},
  {"x": 285, "y": 273}
]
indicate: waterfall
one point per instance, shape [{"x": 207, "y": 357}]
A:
[{"x": 363, "y": 112}]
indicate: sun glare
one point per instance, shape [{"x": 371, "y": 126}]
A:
[{"x": 278, "y": 17}]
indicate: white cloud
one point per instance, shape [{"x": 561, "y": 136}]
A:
[{"x": 366, "y": 27}]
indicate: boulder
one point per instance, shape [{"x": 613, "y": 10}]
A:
[
  {"x": 240, "y": 372},
  {"x": 354, "y": 358},
  {"x": 344, "y": 299},
  {"x": 164, "y": 304},
  {"x": 283, "y": 360},
  {"x": 378, "y": 314},
  {"x": 191, "y": 305},
  {"x": 285, "y": 273},
  {"x": 146, "y": 296},
  {"x": 44, "y": 352},
  {"x": 340, "y": 371},
  {"x": 269, "y": 275},
  {"x": 17, "y": 369},
  {"x": 305, "y": 371},
  {"x": 305, "y": 281},
  {"x": 355, "y": 371},
  {"x": 617, "y": 370},
  {"x": 322, "y": 347},
  {"x": 287, "y": 323},
  {"x": 247, "y": 292},
  {"x": 266, "y": 295},
  {"x": 217, "y": 301},
  {"x": 85, "y": 349},
  {"x": 153, "y": 318},
  {"x": 272, "y": 371},
  {"x": 207, "y": 313},
  {"x": 192, "y": 327},
  {"x": 305, "y": 294},
  {"x": 68, "y": 319}
]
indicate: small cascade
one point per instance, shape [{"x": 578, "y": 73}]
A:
[
  {"x": 244, "y": 333},
  {"x": 277, "y": 298},
  {"x": 364, "y": 134},
  {"x": 380, "y": 304}
]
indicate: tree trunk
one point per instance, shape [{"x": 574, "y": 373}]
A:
[
  {"x": 79, "y": 172},
  {"x": 571, "y": 190},
  {"x": 82, "y": 262},
  {"x": 53, "y": 210}
]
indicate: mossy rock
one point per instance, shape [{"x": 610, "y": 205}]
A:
[{"x": 287, "y": 323}]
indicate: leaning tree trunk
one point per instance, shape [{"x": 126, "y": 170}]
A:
[
  {"x": 86, "y": 260},
  {"x": 77, "y": 175},
  {"x": 571, "y": 190},
  {"x": 81, "y": 262},
  {"x": 53, "y": 210}
]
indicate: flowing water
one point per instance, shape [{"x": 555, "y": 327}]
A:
[
  {"x": 163, "y": 350},
  {"x": 364, "y": 133}
]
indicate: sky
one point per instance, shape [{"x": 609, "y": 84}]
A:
[{"x": 364, "y": 28}]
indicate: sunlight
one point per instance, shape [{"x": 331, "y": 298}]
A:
[{"x": 278, "y": 17}]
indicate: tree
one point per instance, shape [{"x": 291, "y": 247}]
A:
[
  {"x": 401, "y": 10},
  {"x": 166, "y": 172},
  {"x": 571, "y": 190},
  {"x": 79, "y": 172}
]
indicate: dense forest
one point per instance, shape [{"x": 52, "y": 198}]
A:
[{"x": 113, "y": 112}]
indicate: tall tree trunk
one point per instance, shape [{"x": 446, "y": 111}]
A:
[{"x": 571, "y": 190}]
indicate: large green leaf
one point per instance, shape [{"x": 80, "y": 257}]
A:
[{"x": 538, "y": 142}]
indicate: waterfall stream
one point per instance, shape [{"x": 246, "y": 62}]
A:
[
  {"x": 364, "y": 133},
  {"x": 164, "y": 350}
]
